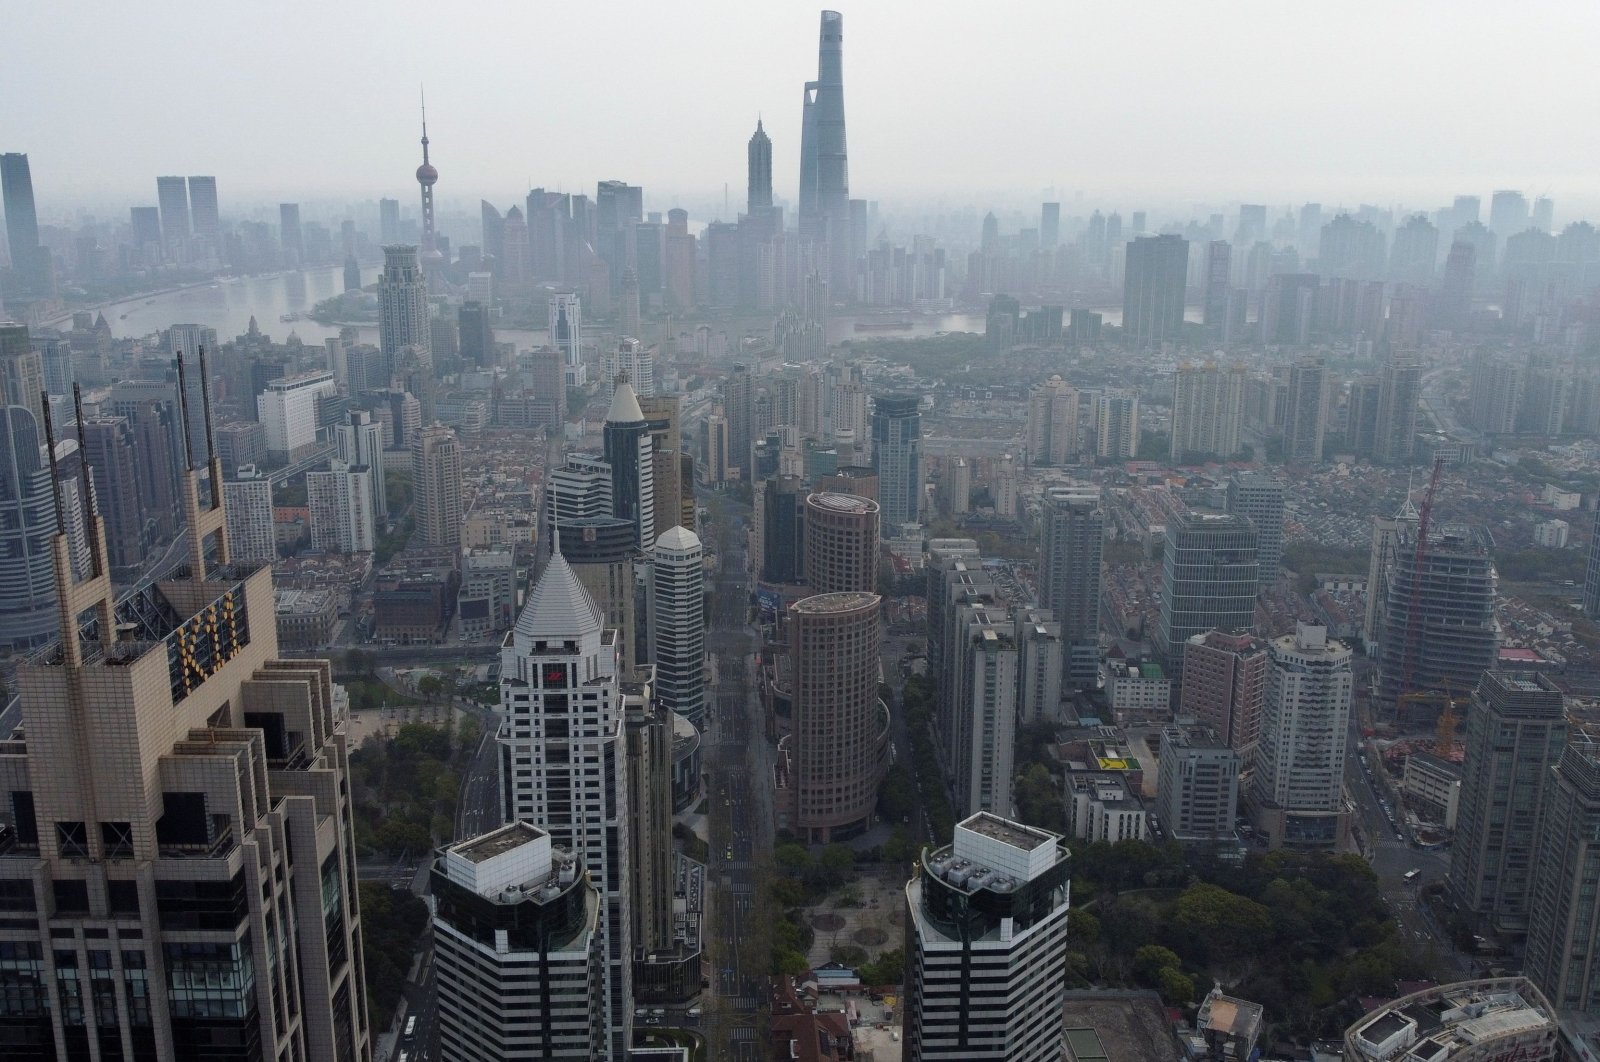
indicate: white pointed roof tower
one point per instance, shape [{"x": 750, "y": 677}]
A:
[
  {"x": 625, "y": 406},
  {"x": 559, "y": 609}
]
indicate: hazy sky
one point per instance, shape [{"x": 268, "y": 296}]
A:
[{"x": 1130, "y": 102}]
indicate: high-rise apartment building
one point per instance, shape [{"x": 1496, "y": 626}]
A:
[
  {"x": 1225, "y": 685},
  {"x": 1439, "y": 625},
  {"x": 187, "y": 341},
  {"x": 517, "y": 949},
  {"x": 436, "y": 485},
  {"x": 1305, "y": 417},
  {"x": 986, "y": 944},
  {"x": 251, "y": 534},
  {"x": 628, "y": 453},
  {"x": 180, "y": 843},
  {"x": 1052, "y": 423},
  {"x": 1508, "y": 213},
  {"x": 897, "y": 456},
  {"x": 1399, "y": 392},
  {"x": 360, "y": 442},
  {"x": 1116, "y": 422},
  {"x": 1207, "y": 411},
  {"x": 677, "y": 623},
  {"x": 1219, "y": 283},
  {"x": 1259, "y": 497},
  {"x": 341, "y": 506},
  {"x": 1209, "y": 575},
  {"x": 632, "y": 361},
  {"x": 1297, "y": 789},
  {"x": 1040, "y": 652},
  {"x": 1070, "y": 554},
  {"x": 1197, "y": 792},
  {"x": 564, "y": 763},
  {"x": 841, "y": 543},
  {"x": 1515, "y": 731},
  {"x": 837, "y": 750},
  {"x": 979, "y": 745},
  {"x": 111, "y": 452},
  {"x": 403, "y": 310},
  {"x": 1563, "y": 920},
  {"x": 1156, "y": 273}
]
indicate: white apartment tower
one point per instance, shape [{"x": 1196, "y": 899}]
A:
[
  {"x": 563, "y": 760},
  {"x": 1297, "y": 791},
  {"x": 1207, "y": 410},
  {"x": 287, "y": 409},
  {"x": 340, "y": 501},
  {"x": 360, "y": 442},
  {"x": 250, "y": 529},
  {"x": 986, "y": 945},
  {"x": 403, "y": 308}
]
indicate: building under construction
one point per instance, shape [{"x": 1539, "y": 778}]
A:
[{"x": 1439, "y": 629}]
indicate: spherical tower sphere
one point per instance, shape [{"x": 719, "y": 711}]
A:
[{"x": 427, "y": 175}]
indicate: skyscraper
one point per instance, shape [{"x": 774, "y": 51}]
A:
[
  {"x": 1156, "y": 272},
  {"x": 1052, "y": 422},
  {"x": 986, "y": 945},
  {"x": 403, "y": 309},
  {"x": 1116, "y": 422},
  {"x": 1259, "y": 497},
  {"x": 360, "y": 442},
  {"x": 341, "y": 506},
  {"x": 840, "y": 533},
  {"x": 477, "y": 334},
  {"x": 759, "y": 152},
  {"x": 1399, "y": 389},
  {"x": 203, "y": 212},
  {"x": 824, "y": 208},
  {"x": 1591, "y": 580},
  {"x": 632, "y": 361},
  {"x": 436, "y": 485},
  {"x": 1305, "y": 418},
  {"x": 1439, "y": 625},
  {"x": 837, "y": 750},
  {"x": 111, "y": 453},
  {"x": 1070, "y": 555},
  {"x": 678, "y": 623},
  {"x": 518, "y": 951},
  {"x": 897, "y": 455},
  {"x": 29, "y": 523},
  {"x": 564, "y": 763},
  {"x": 21, "y": 370},
  {"x": 1219, "y": 273},
  {"x": 566, "y": 327},
  {"x": 1563, "y": 923},
  {"x": 1197, "y": 792},
  {"x": 627, "y": 450},
  {"x": 1297, "y": 791},
  {"x": 1508, "y": 213},
  {"x": 1050, "y": 226},
  {"x": 388, "y": 221},
  {"x": 427, "y": 177},
  {"x": 250, "y": 529},
  {"x": 173, "y": 195},
  {"x": 1516, "y": 729},
  {"x": 1209, "y": 574},
  {"x": 1225, "y": 685},
  {"x": 290, "y": 239},
  {"x": 1207, "y": 410},
  {"x": 980, "y": 732},
  {"x": 1386, "y": 534},
  {"x": 29, "y": 261},
  {"x": 181, "y": 793}
]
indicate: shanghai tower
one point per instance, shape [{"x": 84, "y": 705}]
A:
[{"x": 824, "y": 164}]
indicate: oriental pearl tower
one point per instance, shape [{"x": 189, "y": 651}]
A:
[{"x": 427, "y": 177}]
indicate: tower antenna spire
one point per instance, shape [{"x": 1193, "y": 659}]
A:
[{"x": 424, "y": 92}]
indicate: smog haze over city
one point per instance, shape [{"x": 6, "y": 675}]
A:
[
  {"x": 734, "y": 532},
  {"x": 948, "y": 101}
]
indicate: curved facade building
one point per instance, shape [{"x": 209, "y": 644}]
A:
[
  {"x": 838, "y": 748},
  {"x": 27, "y": 522},
  {"x": 841, "y": 543},
  {"x": 1494, "y": 1020}
]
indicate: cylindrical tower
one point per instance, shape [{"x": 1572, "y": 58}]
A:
[{"x": 841, "y": 536}]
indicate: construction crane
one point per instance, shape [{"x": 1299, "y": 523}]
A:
[{"x": 1414, "y": 605}]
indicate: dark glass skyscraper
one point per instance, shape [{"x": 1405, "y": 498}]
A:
[
  {"x": 824, "y": 162},
  {"x": 29, "y": 261},
  {"x": 897, "y": 455},
  {"x": 1157, "y": 269},
  {"x": 759, "y": 196}
]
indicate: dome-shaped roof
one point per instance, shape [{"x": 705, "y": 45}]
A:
[{"x": 426, "y": 174}]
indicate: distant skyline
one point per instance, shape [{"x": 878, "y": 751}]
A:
[{"x": 1154, "y": 106}]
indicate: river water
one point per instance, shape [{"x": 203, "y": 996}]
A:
[{"x": 228, "y": 305}]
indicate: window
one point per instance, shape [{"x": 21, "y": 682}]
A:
[{"x": 72, "y": 840}]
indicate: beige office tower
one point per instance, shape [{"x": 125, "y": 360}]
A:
[
  {"x": 177, "y": 853},
  {"x": 436, "y": 485}
]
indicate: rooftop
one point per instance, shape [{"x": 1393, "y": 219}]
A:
[
  {"x": 845, "y": 601},
  {"x": 497, "y": 842},
  {"x": 1013, "y": 833},
  {"x": 843, "y": 503}
]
